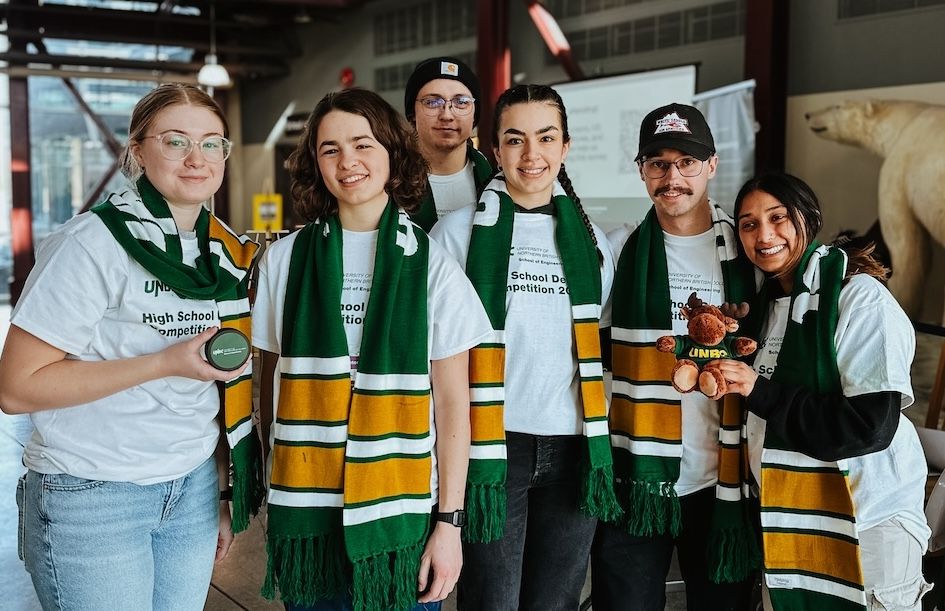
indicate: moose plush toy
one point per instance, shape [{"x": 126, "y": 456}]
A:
[{"x": 711, "y": 336}]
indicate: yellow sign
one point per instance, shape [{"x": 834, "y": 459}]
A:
[{"x": 267, "y": 212}]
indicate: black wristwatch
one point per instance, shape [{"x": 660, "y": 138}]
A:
[{"x": 456, "y": 518}]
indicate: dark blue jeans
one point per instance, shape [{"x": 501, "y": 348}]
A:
[
  {"x": 540, "y": 563},
  {"x": 628, "y": 573}
]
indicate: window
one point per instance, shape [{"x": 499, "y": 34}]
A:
[
  {"x": 850, "y": 9},
  {"x": 422, "y": 25},
  {"x": 692, "y": 26}
]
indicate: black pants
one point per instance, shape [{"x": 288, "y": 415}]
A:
[
  {"x": 628, "y": 573},
  {"x": 540, "y": 563}
]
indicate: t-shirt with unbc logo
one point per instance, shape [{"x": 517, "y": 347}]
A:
[{"x": 88, "y": 298}]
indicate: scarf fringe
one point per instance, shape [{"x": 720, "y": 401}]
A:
[
  {"x": 733, "y": 553},
  {"x": 249, "y": 488},
  {"x": 485, "y": 513},
  {"x": 305, "y": 570},
  {"x": 598, "y": 494},
  {"x": 652, "y": 508},
  {"x": 387, "y": 581}
]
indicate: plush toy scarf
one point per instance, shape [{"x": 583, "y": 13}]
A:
[
  {"x": 487, "y": 266},
  {"x": 811, "y": 548},
  {"x": 350, "y": 494},
  {"x": 142, "y": 223},
  {"x": 426, "y": 216},
  {"x": 646, "y": 415}
]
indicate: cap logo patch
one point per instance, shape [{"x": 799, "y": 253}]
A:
[
  {"x": 672, "y": 123},
  {"x": 449, "y": 69}
]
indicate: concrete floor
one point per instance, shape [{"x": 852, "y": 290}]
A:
[{"x": 237, "y": 580}]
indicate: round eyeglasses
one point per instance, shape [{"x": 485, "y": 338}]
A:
[
  {"x": 686, "y": 166},
  {"x": 175, "y": 146},
  {"x": 460, "y": 105}
]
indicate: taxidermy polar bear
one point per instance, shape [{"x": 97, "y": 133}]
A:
[{"x": 910, "y": 137}]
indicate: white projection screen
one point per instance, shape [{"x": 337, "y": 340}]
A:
[{"x": 604, "y": 117}]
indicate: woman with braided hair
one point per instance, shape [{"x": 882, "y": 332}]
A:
[{"x": 540, "y": 470}]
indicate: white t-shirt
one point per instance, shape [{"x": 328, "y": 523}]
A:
[
  {"x": 453, "y": 191},
  {"x": 88, "y": 298},
  {"x": 875, "y": 346},
  {"x": 542, "y": 384},
  {"x": 692, "y": 263},
  {"x": 455, "y": 317}
]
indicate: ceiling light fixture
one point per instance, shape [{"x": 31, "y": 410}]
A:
[{"x": 213, "y": 74}]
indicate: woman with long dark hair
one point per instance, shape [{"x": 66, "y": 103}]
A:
[
  {"x": 540, "y": 469},
  {"x": 838, "y": 468}
]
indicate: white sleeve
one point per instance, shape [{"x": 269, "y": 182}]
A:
[
  {"x": 617, "y": 238},
  {"x": 606, "y": 276},
  {"x": 270, "y": 295},
  {"x": 457, "y": 319},
  {"x": 453, "y": 232},
  {"x": 68, "y": 292},
  {"x": 875, "y": 341}
]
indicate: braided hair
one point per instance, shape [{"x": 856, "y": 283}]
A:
[{"x": 523, "y": 94}]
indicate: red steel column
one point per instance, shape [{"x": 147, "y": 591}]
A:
[
  {"x": 493, "y": 64},
  {"x": 21, "y": 223},
  {"x": 766, "y": 61}
]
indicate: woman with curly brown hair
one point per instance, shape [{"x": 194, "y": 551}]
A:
[{"x": 365, "y": 326}]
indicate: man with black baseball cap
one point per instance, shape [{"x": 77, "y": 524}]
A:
[
  {"x": 440, "y": 101},
  {"x": 677, "y": 467}
]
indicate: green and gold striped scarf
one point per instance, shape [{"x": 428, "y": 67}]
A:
[
  {"x": 646, "y": 415},
  {"x": 811, "y": 548},
  {"x": 487, "y": 266},
  {"x": 350, "y": 496},
  {"x": 142, "y": 223}
]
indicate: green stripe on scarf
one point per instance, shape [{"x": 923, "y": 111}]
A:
[
  {"x": 646, "y": 420},
  {"x": 426, "y": 216},
  {"x": 808, "y": 358},
  {"x": 487, "y": 266},
  {"x": 362, "y": 515},
  {"x": 144, "y": 227}
]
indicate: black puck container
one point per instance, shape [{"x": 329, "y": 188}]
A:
[{"x": 227, "y": 350}]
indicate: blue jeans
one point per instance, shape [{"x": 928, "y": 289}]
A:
[
  {"x": 628, "y": 573},
  {"x": 540, "y": 563},
  {"x": 343, "y": 603},
  {"x": 95, "y": 545}
]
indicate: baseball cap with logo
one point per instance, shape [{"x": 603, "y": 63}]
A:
[
  {"x": 436, "y": 68},
  {"x": 679, "y": 127}
]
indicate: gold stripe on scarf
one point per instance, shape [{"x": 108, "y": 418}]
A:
[
  {"x": 486, "y": 423},
  {"x": 241, "y": 255},
  {"x": 821, "y": 492},
  {"x": 380, "y": 479},
  {"x": 380, "y": 415},
  {"x": 587, "y": 339},
  {"x": 653, "y": 420},
  {"x": 643, "y": 363},
  {"x": 805, "y": 553},
  {"x": 300, "y": 398},
  {"x": 487, "y": 364},
  {"x": 308, "y": 466}
]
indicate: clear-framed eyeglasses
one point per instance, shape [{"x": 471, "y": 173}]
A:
[
  {"x": 460, "y": 105},
  {"x": 176, "y": 146},
  {"x": 686, "y": 166}
]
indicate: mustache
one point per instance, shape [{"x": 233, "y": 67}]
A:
[{"x": 682, "y": 190}]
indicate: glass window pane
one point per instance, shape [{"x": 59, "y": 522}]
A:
[
  {"x": 644, "y": 35},
  {"x": 670, "y": 30}
]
